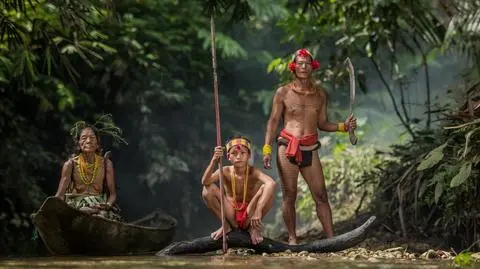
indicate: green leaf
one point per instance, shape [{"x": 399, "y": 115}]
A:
[
  {"x": 269, "y": 9},
  {"x": 339, "y": 148},
  {"x": 273, "y": 64},
  {"x": 45, "y": 104},
  {"x": 462, "y": 175},
  {"x": 422, "y": 188},
  {"x": 368, "y": 49},
  {"x": 467, "y": 140},
  {"x": 105, "y": 48},
  {"x": 463, "y": 259},
  {"x": 438, "y": 176},
  {"x": 438, "y": 191},
  {"x": 476, "y": 160},
  {"x": 69, "y": 49},
  {"x": 227, "y": 46},
  {"x": 434, "y": 157},
  {"x": 29, "y": 58},
  {"x": 3, "y": 78}
]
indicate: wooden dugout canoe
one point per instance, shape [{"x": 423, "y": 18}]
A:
[{"x": 68, "y": 231}]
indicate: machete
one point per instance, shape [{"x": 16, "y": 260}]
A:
[{"x": 351, "y": 71}]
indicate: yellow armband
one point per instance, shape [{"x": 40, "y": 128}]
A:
[
  {"x": 341, "y": 127},
  {"x": 267, "y": 149}
]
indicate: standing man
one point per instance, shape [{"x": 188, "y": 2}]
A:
[{"x": 303, "y": 108}]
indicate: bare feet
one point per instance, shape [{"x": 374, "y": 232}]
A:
[
  {"x": 292, "y": 240},
  {"x": 255, "y": 236},
  {"x": 219, "y": 233}
]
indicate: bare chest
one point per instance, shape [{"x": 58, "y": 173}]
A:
[
  {"x": 302, "y": 105},
  {"x": 240, "y": 187}
]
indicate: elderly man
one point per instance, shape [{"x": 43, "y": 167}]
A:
[{"x": 303, "y": 108}]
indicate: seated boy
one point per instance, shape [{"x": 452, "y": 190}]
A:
[{"x": 249, "y": 192}]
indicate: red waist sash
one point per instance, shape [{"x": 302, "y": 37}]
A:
[{"x": 294, "y": 143}]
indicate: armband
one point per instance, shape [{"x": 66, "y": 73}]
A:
[{"x": 267, "y": 150}]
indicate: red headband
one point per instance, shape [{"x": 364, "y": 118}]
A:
[{"x": 304, "y": 53}]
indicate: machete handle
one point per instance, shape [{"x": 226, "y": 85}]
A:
[{"x": 352, "y": 136}]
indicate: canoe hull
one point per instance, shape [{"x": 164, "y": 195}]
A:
[{"x": 67, "y": 231}]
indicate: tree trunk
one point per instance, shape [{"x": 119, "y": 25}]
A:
[{"x": 241, "y": 239}]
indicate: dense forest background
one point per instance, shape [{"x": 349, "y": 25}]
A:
[{"x": 148, "y": 64}]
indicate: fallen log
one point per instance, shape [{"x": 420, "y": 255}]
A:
[{"x": 241, "y": 239}]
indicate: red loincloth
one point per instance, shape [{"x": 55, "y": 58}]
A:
[
  {"x": 293, "y": 148},
  {"x": 241, "y": 216}
]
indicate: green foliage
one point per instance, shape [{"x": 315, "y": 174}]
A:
[
  {"x": 463, "y": 259},
  {"x": 237, "y": 9},
  {"x": 351, "y": 177},
  {"x": 161, "y": 65},
  {"x": 443, "y": 186},
  {"x": 463, "y": 28},
  {"x": 386, "y": 40},
  {"x": 39, "y": 38},
  {"x": 229, "y": 48},
  {"x": 268, "y": 10},
  {"x": 435, "y": 156},
  {"x": 462, "y": 176}
]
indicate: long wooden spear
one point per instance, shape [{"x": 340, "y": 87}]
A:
[{"x": 217, "y": 123}]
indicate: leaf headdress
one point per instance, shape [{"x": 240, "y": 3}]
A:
[{"x": 104, "y": 125}]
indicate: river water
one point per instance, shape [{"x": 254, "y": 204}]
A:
[{"x": 211, "y": 262}]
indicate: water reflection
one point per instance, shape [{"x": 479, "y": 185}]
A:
[{"x": 210, "y": 262}]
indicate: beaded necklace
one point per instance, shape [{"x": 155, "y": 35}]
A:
[
  {"x": 245, "y": 185},
  {"x": 83, "y": 167}
]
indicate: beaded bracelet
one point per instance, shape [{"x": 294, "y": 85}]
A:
[{"x": 267, "y": 150}]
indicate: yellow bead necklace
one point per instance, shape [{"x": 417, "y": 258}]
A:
[
  {"x": 83, "y": 167},
  {"x": 245, "y": 185}
]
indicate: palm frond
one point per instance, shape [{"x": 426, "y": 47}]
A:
[
  {"x": 463, "y": 30},
  {"x": 73, "y": 16},
  {"x": 269, "y": 8},
  {"x": 312, "y": 5},
  {"x": 11, "y": 31},
  {"x": 17, "y": 5},
  {"x": 239, "y": 9}
]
